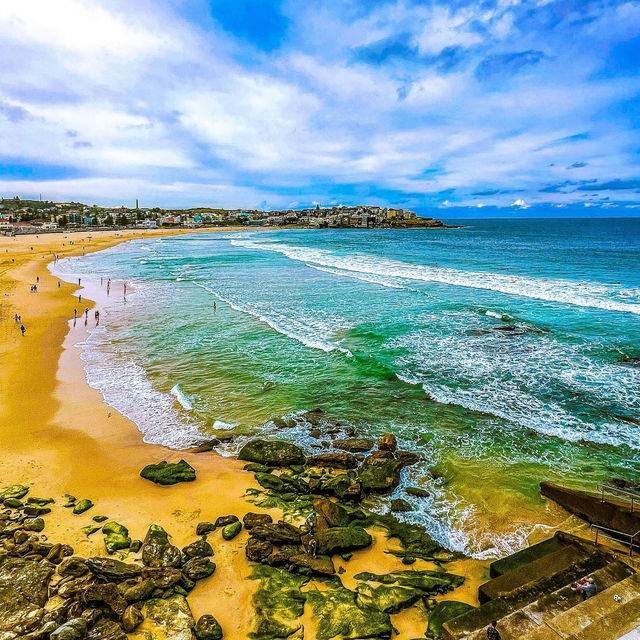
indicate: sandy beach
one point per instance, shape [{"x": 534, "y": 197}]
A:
[{"x": 59, "y": 437}]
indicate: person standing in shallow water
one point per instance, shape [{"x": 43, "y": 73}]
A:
[
  {"x": 23, "y": 330},
  {"x": 492, "y": 631}
]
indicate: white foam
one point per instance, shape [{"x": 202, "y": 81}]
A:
[
  {"x": 302, "y": 332},
  {"x": 179, "y": 395},
  {"x": 592, "y": 294}
]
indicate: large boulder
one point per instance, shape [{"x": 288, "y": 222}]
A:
[
  {"x": 157, "y": 551},
  {"x": 341, "y": 539},
  {"x": 272, "y": 452},
  {"x": 277, "y": 532},
  {"x": 379, "y": 474},
  {"x": 131, "y": 619},
  {"x": 337, "y": 459},
  {"x": 73, "y": 566},
  {"x": 354, "y": 445},
  {"x": 331, "y": 512},
  {"x": 23, "y": 592},
  {"x": 167, "y": 473},
  {"x": 162, "y": 577},
  {"x": 112, "y": 570},
  {"x": 168, "y": 618},
  {"x": 208, "y": 628},
  {"x": 251, "y": 519},
  {"x": 388, "y": 442}
]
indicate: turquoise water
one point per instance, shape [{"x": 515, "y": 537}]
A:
[{"x": 503, "y": 352}]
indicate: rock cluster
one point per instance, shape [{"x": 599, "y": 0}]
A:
[{"x": 48, "y": 593}]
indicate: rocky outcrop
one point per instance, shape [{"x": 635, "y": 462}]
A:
[
  {"x": 168, "y": 473},
  {"x": 272, "y": 452}
]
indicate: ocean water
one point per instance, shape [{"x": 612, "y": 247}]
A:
[{"x": 506, "y": 352}]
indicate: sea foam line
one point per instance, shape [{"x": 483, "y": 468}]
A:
[
  {"x": 313, "y": 343},
  {"x": 551, "y": 290}
]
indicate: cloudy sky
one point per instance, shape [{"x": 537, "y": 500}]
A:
[{"x": 278, "y": 103}]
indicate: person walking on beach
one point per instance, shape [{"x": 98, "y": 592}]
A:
[
  {"x": 23, "y": 330},
  {"x": 492, "y": 631},
  {"x": 86, "y": 315},
  {"x": 37, "y": 278},
  {"x": 80, "y": 298},
  {"x": 15, "y": 318},
  {"x": 96, "y": 315},
  {"x": 58, "y": 284}
]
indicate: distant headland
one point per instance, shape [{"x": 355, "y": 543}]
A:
[{"x": 30, "y": 216}]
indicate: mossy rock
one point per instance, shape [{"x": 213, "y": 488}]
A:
[
  {"x": 272, "y": 452},
  {"x": 256, "y": 467},
  {"x": 168, "y": 473},
  {"x": 17, "y": 491},
  {"x": 100, "y": 518},
  {"x": 341, "y": 539},
  {"x": 198, "y": 549},
  {"x": 89, "y": 530},
  {"x": 40, "y": 502},
  {"x": 390, "y": 599},
  {"x": 379, "y": 474},
  {"x": 157, "y": 551},
  {"x": 445, "y": 610},
  {"x": 417, "y": 492},
  {"x": 339, "y": 615},
  {"x": 270, "y": 482},
  {"x": 13, "y": 503},
  {"x": 71, "y": 501},
  {"x": 33, "y": 524},
  {"x": 208, "y": 628},
  {"x": 116, "y": 537},
  {"x": 278, "y": 603},
  {"x": 429, "y": 582},
  {"x": 198, "y": 568},
  {"x": 231, "y": 530},
  {"x": 399, "y": 505},
  {"x": 169, "y": 618},
  {"x": 34, "y": 510},
  {"x": 82, "y": 506}
]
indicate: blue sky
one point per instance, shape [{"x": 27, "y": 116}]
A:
[{"x": 459, "y": 105}]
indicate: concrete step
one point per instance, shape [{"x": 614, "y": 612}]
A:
[
  {"x": 524, "y": 556},
  {"x": 468, "y": 623},
  {"x": 617, "y": 625},
  {"x": 531, "y": 616},
  {"x": 571, "y": 623},
  {"x": 542, "y": 567}
]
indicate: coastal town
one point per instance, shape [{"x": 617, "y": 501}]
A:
[{"x": 34, "y": 216}]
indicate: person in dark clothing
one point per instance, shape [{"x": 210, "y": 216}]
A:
[{"x": 492, "y": 631}]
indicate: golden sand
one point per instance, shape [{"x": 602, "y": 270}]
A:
[{"x": 59, "y": 437}]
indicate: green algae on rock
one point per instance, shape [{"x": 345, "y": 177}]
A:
[
  {"x": 17, "y": 491},
  {"x": 340, "y": 539},
  {"x": 427, "y": 581},
  {"x": 168, "y": 618},
  {"x": 272, "y": 452},
  {"x": 390, "y": 599},
  {"x": 231, "y": 530},
  {"x": 340, "y": 615},
  {"x": 441, "y": 613},
  {"x": 208, "y": 628},
  {"x": 116, "y": 537},
  {"x": 168, "y": 473},
  {"x": 82, "y": 506},
  {"x": 278, "y": 603},
  {"x": 157, "y": 551}
]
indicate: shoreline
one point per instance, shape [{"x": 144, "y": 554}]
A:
[{"x": 64, "y": 439}]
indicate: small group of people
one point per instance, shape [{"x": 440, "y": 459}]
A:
[
  {"x": 18, "y": 320},
  {"x": 34, "y": 288}
]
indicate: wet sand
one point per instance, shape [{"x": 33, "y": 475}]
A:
[{"x": 59, "y": 437}]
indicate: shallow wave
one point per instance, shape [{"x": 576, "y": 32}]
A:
[
  {"x": 124, "y": 385},
  {"x": 180, "y": 396},
  {"x": 299, "y": 333},
  {"x": 385, "y": 282},
  {"x": 533, "y": 383},
  {"x": 595, "y": 295}
]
